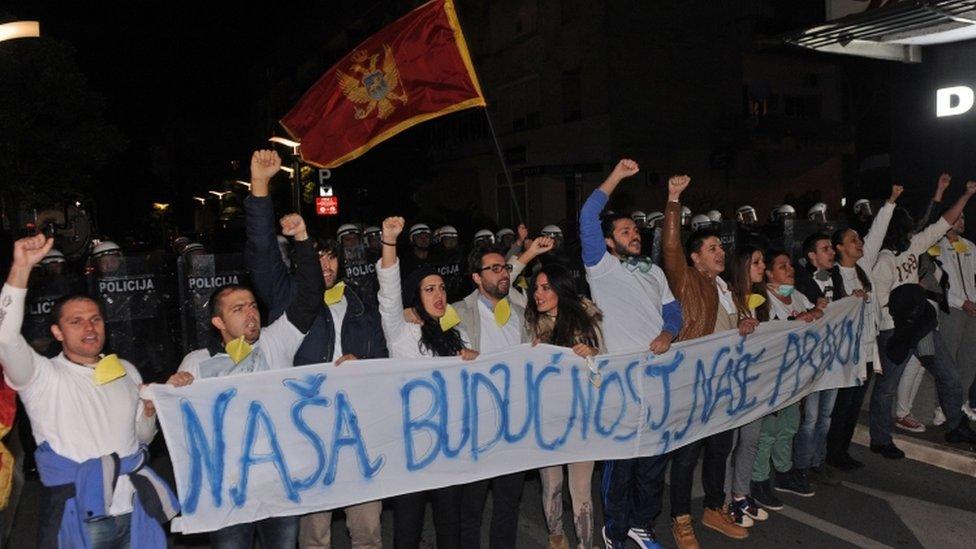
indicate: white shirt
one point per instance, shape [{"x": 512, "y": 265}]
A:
[
  {"x": 79, "y": 419},
  {"x": 783, "y": 311},
  {"x": 725, "y": 296},
  {"x": 402, "y": 337},
  {"x": 496, "y": 338},
  {"x": 338, "y": 311},
  {"x": 274, "y": 350},
  {"x": 893, "y": 270},
  {"x": 961, "y": 268},
  {"x": 631, "y": 303}
]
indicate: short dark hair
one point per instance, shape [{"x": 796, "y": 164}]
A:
[
  {"x": 810, "y": 242},
  {"x": 609, "y": 219},
  {"x": 697, "y": 239},
  {"x": 58, "y": 306},
  {"x": 771, "y": 254},
  {"x": 474, "y": 260},
  {"x": 219, "y": 293}
]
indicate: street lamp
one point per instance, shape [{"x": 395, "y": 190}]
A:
[
  {"x": 19, "y": 29},
  {"x": 295, "y": 170}
]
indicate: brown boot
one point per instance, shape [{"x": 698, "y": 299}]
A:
[
  {"x": 684, "y": 532},
  {"x": 558, "y": 541},
  {"x": 721, "y": 521}
]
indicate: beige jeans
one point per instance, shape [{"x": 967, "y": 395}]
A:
[
  {"x": 580, "y": 477},
  {"x": 363, "y": 522}
]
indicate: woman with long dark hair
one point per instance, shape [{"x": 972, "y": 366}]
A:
[
  {"x": 435, "y": 336},
  {"x": 557, "y": 315},
  {"x": 746, "y": 276}
]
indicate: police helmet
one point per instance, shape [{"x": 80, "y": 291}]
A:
[
  {"x": 700, "y": 221},
  {"x": 106, "y": 247}
]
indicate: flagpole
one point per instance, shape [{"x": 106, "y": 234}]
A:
[{"x": 508, "y": 174}]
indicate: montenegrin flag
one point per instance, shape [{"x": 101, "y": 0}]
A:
[{"x": 413, "y": 70}]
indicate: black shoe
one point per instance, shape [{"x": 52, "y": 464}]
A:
[
  {"x": 794, "y": 482},
  {"x": 825, "y": 475},
  {"x": 844, "y": 462},
  {"x": 889, "y": 450},
  {"x": 962, "y": 433},
  {"x": 762, "y": 493}
]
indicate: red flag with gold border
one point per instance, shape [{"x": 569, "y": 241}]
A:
[{"x": 413, "y": 70}]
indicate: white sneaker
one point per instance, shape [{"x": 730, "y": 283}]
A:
[
  {"x": 938, "y": 418},
  {"x": 969, "y": 411}
]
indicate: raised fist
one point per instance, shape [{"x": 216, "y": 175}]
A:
[
  {"x": 626, "y": 168},
  {"x": 293, "y": 225},
  {"x": 677, "y": 184},
  {"x": 264, "y": 164},
  {"x": 970, "y": 187},
  {"x": 31, "y": 250},
  {"x": 896, "y": 191},
  {"x": 944, "y": 181},
  {"x": 392, "y": 227}
]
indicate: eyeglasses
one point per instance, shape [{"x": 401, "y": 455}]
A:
[{"x": 497, "y": 268}]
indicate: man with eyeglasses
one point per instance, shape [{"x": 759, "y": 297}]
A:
[
  {"x": 639, "y": 314},
  {"x": 493, "y": 323}
]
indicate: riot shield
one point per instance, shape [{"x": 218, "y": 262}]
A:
[
  {"x": 360, "y": 269},
  {"x": 450, "y": 265},
  {"x": 199, "y": 277},
  {"x": 136, "y": 296},
  {"x": 728, "y": 232},
  {"x": 42, "y": 291}
]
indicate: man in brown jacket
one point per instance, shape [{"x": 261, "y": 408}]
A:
[{"x": 707, "y": 307}]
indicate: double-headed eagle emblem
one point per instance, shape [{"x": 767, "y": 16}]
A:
[{"x": 370, "y": 87}]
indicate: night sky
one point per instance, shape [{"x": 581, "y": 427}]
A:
[{"x": 194, "y": 88}]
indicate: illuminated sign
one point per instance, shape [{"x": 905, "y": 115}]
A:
[
  {"x": 953, "y": 101},
  {"x": 327, "y": 205}
]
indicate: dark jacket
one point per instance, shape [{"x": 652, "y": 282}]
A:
[
  {"x": 362, "y": 333},
  {"x": 805, "y": 284}
]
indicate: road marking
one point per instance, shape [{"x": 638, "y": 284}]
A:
[
  {"x": 832, "y": 529},
  {"x": 933, "y": 524}
]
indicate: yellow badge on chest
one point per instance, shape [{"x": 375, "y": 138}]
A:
[
  {"x": 450, "y": 318},
  {"x": 108, "y": 369},
  {"x": 754, "y": 301},
  {"x": 935, "y": 251},
  {"x": 503, "y": 311},
  {"x": 960, "y": 247},
  {"x": 238, "y": 349},
  {"x": 334, "y": 294}
]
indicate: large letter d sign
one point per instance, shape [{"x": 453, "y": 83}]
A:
[{"x": 953, "y": 101}]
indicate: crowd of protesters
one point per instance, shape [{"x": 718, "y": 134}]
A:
[{"x": 636, "y": 282}]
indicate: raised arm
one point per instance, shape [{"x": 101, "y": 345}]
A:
[
  {"x": 675, "y": 265},
  {"x": 879, "y": 226},
  {"x": 270, "y": 278},
  {"x": 931, "y": 234},
  {"x": 308, "y": 275},
  {"x": 388, "y": 274},
  {"x": 16, "y": 356},
  {"x": 935, "y": 207},
  {"x": 591, "y": 236}
]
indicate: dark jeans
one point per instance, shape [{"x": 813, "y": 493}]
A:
[
  {"x": 843, "y": 421},
  {"x": 683, "y": 462},
  {"x": 947, "y": 385},
  {"x": 506, "y": 491},
  {"x": 632, "y": 490},
  {"x": 110, "y": 532},
  {"x": 274, "y": 533},
  {"x": 408, "y": 517}
]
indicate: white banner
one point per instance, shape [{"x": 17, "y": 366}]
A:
[{"x": 294, "y": 441}]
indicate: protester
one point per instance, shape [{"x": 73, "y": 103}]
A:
[
  {"x": 779, "y": 428},
  {"x": 813, "y": 280},
  {"x": 897, "y": 265},
  {"x": 851, "y": 276},
  {"x": 556, "y": 314},
  {"x": 957, "y": 256},
  {"x": 346, "y": 328},
  {"x": 88, "y": 420},
  {"x": 707, "y": 307},
  {"x": 426, "y": 294},
  {"x": 493, "y": 322},
  {"x": 746, "y": 276},
  {"x": 636, "y": 302},
  {"x": 244, "y": 347}
]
